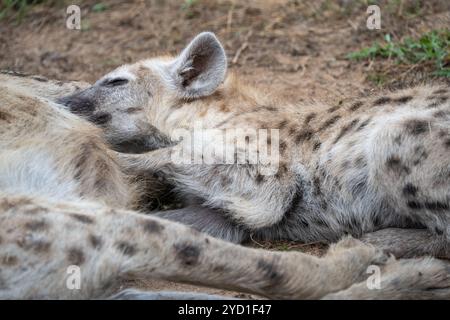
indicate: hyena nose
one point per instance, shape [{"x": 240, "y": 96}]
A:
[{"x": 77, "y": 104}]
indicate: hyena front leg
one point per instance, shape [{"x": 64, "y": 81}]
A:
[
  {"x": 243, "y": 195},
  {"x": 108, "y": 245}
]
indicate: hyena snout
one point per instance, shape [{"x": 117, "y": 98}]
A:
[{"x": 79, "y": 104}]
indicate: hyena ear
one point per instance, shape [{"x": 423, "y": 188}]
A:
[{"x": 201, "y": 67}]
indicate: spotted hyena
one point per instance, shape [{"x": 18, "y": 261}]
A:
[
  {"x": 65, "y": 202},
  {"x": 376, "y": 167}
]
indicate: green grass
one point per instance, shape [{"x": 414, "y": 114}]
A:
[
  {"x": 432, "y": 47},
  {"x": 99, "y": 7},
  {"x": 188, "y": 6},
  {"x": 16, "y": 8}
]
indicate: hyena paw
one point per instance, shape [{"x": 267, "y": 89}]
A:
[
  {"x": 350, "y": 248},
  {"x": 350, "y": 259}
]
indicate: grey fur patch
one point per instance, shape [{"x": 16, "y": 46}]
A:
[
  {"x": 38, "y": 225},
  {"x": 95, "y": 241},
  {"x": 395, "y": 164},
  {"x": 153, "y": 227},
  {"x": 187, "y": 253},
  {"x": 416, "y": 126},
  {"x": 270, "y": 273},
  {"x": 82, "y": 218},
  {"x": 75, "y": 256},
  {"x": 126, "y": 248}
]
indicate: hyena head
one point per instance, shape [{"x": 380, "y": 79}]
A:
[{"x": 131, "y": 101}]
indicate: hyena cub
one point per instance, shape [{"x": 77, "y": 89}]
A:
[
  {"x": 379, "y": 163},
  {"x": 63, "y": 201}
]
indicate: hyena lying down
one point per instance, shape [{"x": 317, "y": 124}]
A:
[
  {"x": 64, "y": 200},
  {"x": 378, "y": 167}
]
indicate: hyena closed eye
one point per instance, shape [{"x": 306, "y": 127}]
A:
[
  {"x": 63, "y": 204},
  {"x": 373, "y": 164}
]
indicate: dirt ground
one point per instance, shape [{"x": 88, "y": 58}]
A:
[{"x": 296, "y": 49}]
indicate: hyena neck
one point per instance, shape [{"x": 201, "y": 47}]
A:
[{"x": 232, "y": 98}]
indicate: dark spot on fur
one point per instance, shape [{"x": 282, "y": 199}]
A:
[
  {"x": 440, "y": 114},
  {"x": 188, "y": 254},
  {"x": 360, "y": 162},
  {"x": 398, "y": 139},
  {"x": 310, "y": 117},
  {"x": 317, "y": 145},
  {"x": 219, "y": 269},
  {"x": 359, "y": 186},
  {"x": 345, "y": 129},
  {"x": 153, "y": 227},
  {"x": 415, "y": 205},
  {"x": 82, "y": 218},
  {"x": 382, "y": 101},
  {"x": 126, "y": 248},
  {"x": 416, "y": 127},
  {"x": 5, "y": 116},
  {"x": 440, "y": 91},
  {"x": 438, "y": 231},
  {"x": 39, "y": 78},
  {"x": 316, "y": 184},
  {"x": 282, "y": 147},
  {"x": 333, "y": 109},
  {"x": 420, "y": 154},
  {"x": 429, "y": 205},
  {"x": 9, "y": 260},
  {"x": 447, "y": 143},
  {"x": 282, "y": 170},
  {"x": 41, "y": 246},
  {"x": 39, "y": 225},
  {"x": 355, "y": 106},
  {"x": 282, "y": 124},
  {"x": 270, "y": 273},
  {"x": 133, "y": 109},
  {"x": 95, "y": 241},
  {"x": 14, "y": 73},
  {"x": 268, "y": 108},
  {"x": 433, "y": 105},
  {"x": 329, "y": 122},
  {"x": 100, "y": 118},
  {"x": 259, "y": 178},
  {"x": 403, "y": 100},
  {"x": 304, "y": 135},
  {"x": 436, "y": 206},
  {"x": 75, "y": 256},
  {"x": 363, "y": 124},
  {"x": 225, "y": 180},
  {"x": 410, "y": 190},
  {"x": 395, "y": 164}
]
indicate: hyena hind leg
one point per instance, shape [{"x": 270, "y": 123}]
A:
[
  {"x": 425, "y": 278},
  {"x": 409, "y": 243}
]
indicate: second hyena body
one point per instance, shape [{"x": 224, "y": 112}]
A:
[
  {"x": 349, "y": 168},
  {"x": 66, "y": 230}
]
